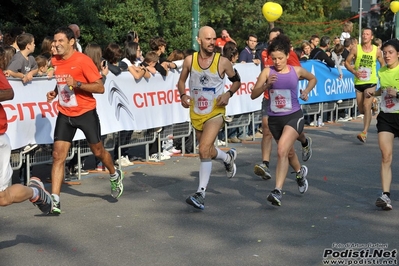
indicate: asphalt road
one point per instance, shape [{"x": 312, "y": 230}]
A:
[{"x": 152, "y": 225}]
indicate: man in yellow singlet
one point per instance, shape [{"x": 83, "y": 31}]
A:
[
  {"x": 365, "y": 56},
  {"x": 207, "y": 100}
]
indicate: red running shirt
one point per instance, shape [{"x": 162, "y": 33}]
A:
[{"x": 75, "y": 102}]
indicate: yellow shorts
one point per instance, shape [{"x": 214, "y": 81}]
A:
[{"x": 198, "y": 120}]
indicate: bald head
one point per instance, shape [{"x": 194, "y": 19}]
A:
[
  {"x": 206, "y": 39},
  {"x": 205, "y": 32},
  {"x": 76, "y": 30}
]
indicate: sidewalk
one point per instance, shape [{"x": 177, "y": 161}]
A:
[{"x": 152, "y": 225}]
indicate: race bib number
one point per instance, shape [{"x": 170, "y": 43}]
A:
[
  {"x": 280, "y": 100},
  {"x": 66, "y": 96},
  {"x": 204, "y": 100},
  {"x": 388, "y": 104},
  {"x": 364, "y": 73}
]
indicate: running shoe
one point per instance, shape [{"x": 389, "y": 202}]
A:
[
  {"x": 117, "y": 185},
  {"x": 196, "y": 200},
  {"x": 275, "y": 197},
  {"x": 362, "y": 136},
  {"x": 56, "y": 207},
  {"x": 43, "y": 200},
  {"x": 301, "y": 179},
  {"x": 307, "y": 151},
  {"x": 384, "y": 202},
  {"x": 231, "y": 166},
  {"x": 262, "y": 171}
]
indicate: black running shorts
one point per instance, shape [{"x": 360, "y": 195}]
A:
[
  {"x": 277, "y": 123},
  {"x": 89, "y": 123}
]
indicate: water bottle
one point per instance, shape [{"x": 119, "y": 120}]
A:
[{"x": 319, "y": 122}]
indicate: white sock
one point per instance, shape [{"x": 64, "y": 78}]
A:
[
  {"x": 221, "y": 155},
  {"x": 56, "y": 198},
  {"x": 204, "y": 175},
  {"x": 114, "y": 175},
  {"x": 35, "y": 193}
]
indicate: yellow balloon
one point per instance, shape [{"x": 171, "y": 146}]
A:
[
  {"x": 394, "y": 6},
  {"x": 272, "y": 11}
]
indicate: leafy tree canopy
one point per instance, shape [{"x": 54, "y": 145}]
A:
[{"x": 104, "y": 21}]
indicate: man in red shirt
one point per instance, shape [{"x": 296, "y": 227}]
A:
[
  {"x": 77, "y": 79},
  {"x": 220, "y": 42},
  {"x": 16, "y": 193}
]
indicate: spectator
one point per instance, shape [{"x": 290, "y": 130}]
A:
[
  {"x": 322, "y": 52},
  {"x": 158, "y": 45},
  {"x": 267, "y": 60},
  {"x": 113, "y": 55},
  {"x": 6, "y": 54},
  {"x": 176, "y": 57},
  {"x": 76, "y": 30},
  {"x": 347, "y": 47},
  {"x": 314, "y": 41},
  {"x": 42, "y": 65},
  {"x": 336, "y": 56},
  {"x": 230, "y": 51},
  {"x": 23, "y": 64},
  {"x": 151, "y": 59},
  {"x": 10, "y": 38},
  {"x": 225, "y": 37},
  {"x": 336, "y": 41},
  {"x": 306, "y": 49},
  {"x": 132, "y": 59},
  {"x": 299, "y": 52},
  {"x": 45, "y": 49},
  {"x": 248, "y": 55},
  {"x": 346, "y": 32}
]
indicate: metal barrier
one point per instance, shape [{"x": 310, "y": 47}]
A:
[
  {"x": 311, "y": 109},
  {"x": 83, "y": 149},
  {"x": 176, "y": 131},
  {"x": 242, "y": 120},
  {"x": 16, "y": 159},
  {"x": 41, "y": 155},
  {"x": 328, "y": 107},
  {"x": 345, "y": 104},
  {"x": 256, "y": 117},
  {"x": 127, "y": 139}
]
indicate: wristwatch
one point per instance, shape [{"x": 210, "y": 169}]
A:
[{"x": 78, "y": 84}]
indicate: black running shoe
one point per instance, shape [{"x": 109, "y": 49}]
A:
[{"x": 196, "y": 200}]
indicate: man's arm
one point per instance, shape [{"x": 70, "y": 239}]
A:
[
  {"x": 351, "y": 57},
  {"x": 93, "y": 87},
  {"x": 181, "y": 84},
  {"x": 325, "y": 58},
  {"x": 380, "y": 58},
  {"x": 232, "y": 74},
  {"x": 6, "y": 93}
]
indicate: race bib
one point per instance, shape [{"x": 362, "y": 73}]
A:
[
  {"x": 204, "y": 100},
  {"x": 280, "y": 100},
  {"x": 388, "y": 104},
  {"x": 66, "y": 96},
  {"x": 364, "y": 73}
]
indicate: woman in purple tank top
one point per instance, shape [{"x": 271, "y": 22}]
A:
[{"x": 286, "y": 123}]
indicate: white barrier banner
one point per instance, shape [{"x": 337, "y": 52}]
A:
[{"x": 125, "y": 105}]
